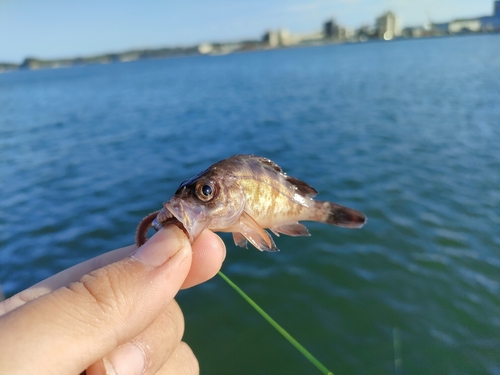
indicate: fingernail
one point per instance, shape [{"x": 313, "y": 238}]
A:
[
  {"x": 126, "y": 360},
  {"x": 161, "y": 247}
]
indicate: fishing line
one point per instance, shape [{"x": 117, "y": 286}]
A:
[{"x": 279, "y": 328}]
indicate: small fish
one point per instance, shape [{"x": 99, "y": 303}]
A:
[{"x": 245, "y": 194}]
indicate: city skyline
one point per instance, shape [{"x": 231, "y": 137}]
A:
[{"x": 56, "y": 28}]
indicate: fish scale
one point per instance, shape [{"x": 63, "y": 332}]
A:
[{"x": 268, "y": 203}]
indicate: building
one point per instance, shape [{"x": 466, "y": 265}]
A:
[
  {"x": 440, "y": 28},
  {"x": 281, "y": 37},
  {"x": 491, "y": 23},
  {"x": 471, "y": 25},
  {"x": 331, "y": 30},
  {"x": 387, "y": 26},
  {"x": 415, "y": 32}
]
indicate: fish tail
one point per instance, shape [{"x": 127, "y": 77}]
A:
[{"x": 335, "y": 214}]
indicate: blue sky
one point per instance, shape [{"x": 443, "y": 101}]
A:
[{"x": 68, "y": 28}]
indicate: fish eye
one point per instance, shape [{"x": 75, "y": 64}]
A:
[{"x": 205, "y": 192}]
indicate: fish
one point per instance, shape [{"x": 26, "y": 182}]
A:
[{"x": 248, "y": 196}]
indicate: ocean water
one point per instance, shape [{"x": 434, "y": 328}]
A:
[{"x": 408, "y": 132}]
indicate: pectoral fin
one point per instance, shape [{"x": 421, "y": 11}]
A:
[
  {"x": 255, "y": 234},
  {"x": 294, "y": 229}
]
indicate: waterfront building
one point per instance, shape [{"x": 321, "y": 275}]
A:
[
  {"x": 387, "y": 26},
  {"x": 281, "y": 37},
  {"x": 464, "y": 26},
  {"x": 440, "y": 28},
  {"x": 415, "y": 32},
  {"x": 271, "y": 38},
  {"x": 364, "y": 33},
  {"x": 491, "y": 23},
  {"x": 471, "y": 25},
  {"x": 331, "y": 30},
  {"x": 205, "y": 48}
]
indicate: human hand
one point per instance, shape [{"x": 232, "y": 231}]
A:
[{"x": 113, "y": 314}]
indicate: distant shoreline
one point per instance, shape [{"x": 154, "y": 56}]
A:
[{"x": 210, "y": 49}]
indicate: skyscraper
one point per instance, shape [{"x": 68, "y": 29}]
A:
[{"x": 388, "y": 26}]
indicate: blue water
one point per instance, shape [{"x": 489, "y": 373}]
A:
[{"x": 407, "y": 132}]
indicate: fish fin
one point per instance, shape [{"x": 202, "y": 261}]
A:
[
  {"x": 271, "y": 164},
  {"x": 240, "y": 240},
  {"x": 341, "y": 216},
  {"x": 294, "y": 229},
  {"x": 302, "y": 187},
  {"x": 260, "y": 242},
  {"x": 255, "y": 234}
]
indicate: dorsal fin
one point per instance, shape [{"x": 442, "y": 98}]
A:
[
  {"x": 269, "y": 163},
  {"x": 302, "y": 187}
]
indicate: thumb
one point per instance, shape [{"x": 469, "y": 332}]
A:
[{"x": 67, "y": 330}]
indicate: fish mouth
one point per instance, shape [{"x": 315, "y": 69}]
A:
[{"x": 192, "y": 217}]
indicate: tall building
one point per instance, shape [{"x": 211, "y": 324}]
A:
[
  {"x": 496, "y": 8},
  {"x": 277, "y": 38},
  {"x": 331, "y": 30},
  {"x": 388, "y": 26}
]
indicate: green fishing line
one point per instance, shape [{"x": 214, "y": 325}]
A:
[{"x": 280, "y": 329}]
